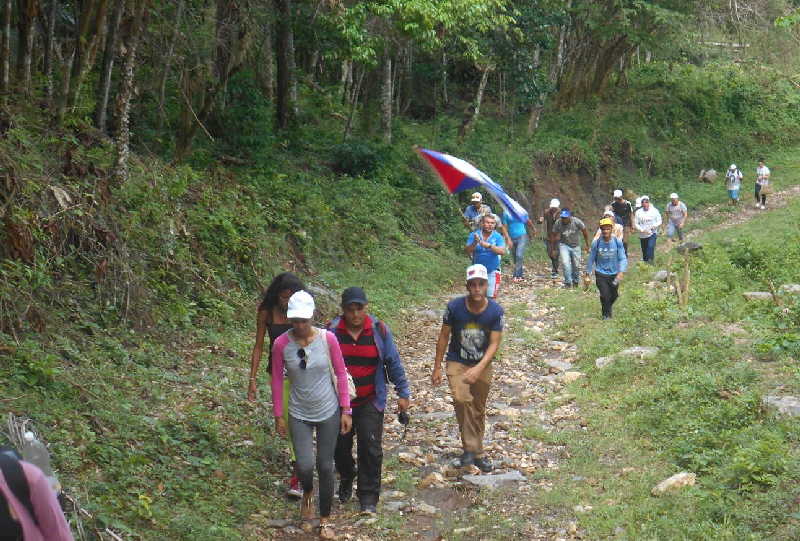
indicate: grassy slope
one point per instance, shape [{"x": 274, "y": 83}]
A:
[
  {"x": 127, "y": 338},
  {"x": 697, "y": 407}
]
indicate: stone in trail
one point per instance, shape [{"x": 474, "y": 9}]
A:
[
  {"x": 789, "y": 289},
  {"x": 757, "y": 295},
  {"x": 602, "y": 362},
  {"x": 675, "y": 482},
  {"x": 786, "y": 405},
  {"x": 639, "y": 352},
  {"x": 495, "y": 480},
  {"x": 561, "y": 366},
  {"x": 661, "y": 276}
]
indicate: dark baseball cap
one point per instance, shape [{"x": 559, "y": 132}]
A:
[{"x": 354, "y": 294}]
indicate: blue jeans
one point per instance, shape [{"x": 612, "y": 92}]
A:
[
  {"x": 520, "y": 243},
  {"x": 649, "y": 248},
  {"x": 570, "y": 263}
]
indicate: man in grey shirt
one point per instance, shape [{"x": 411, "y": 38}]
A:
[{"x": 567, "y": 232}]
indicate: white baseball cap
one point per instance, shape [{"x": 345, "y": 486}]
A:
[
  {"x": 477, "y": 197},
  {"x": 555, "y": 203},
  {"x": 301, "y": 306},
  {"x": 645, "y": 198},
  {"x": 673, "y": 195},
  {"x": 617, "y": 193},
  {"x": 608, "y": 213},
  {"x": 476, "y": 271},
  {"x": 732, "y": 167}
]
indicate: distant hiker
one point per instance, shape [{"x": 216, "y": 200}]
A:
[
  {"x": 311, "y": 359},
  {"x": 485, "y": 246},
  {"x": 271, "y": 321},
  {"x": 637, "y": 205},
  {"x": 763, "y": 188},
  {"x": 475, "y": 211},
  {"x": 608, "y": 261},
  {"x": 646, "y": 221},
  {"x": 618, "y": 230},
  {"x": 623, "y": 215},
  {"x": 472, "y": 329},
  {"x": 676, "y": 214},
  {"x": 518, "y": 235},
  {"x": 29, "y": 509},
  {"x": 371, "y": 357},
  {"x": 549, "y": 218},
  {"x": 567, "y": 232},
  {"x": 733, "y": 182}
]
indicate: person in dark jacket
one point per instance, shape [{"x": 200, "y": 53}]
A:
[{"x": 371, "y": 357}]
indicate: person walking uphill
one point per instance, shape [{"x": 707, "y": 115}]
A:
[
  {"x": 371, "y": 357},
  {"x": 310, "y": 356},
  {"x": 485, "y": 246},
  {"x": 733, "y": 182},
  {"x": 517, "y": 241},
  {"x": 271, "y": 321},
  {"x": 475, "y": 211},
  {"x": 623, "y": 215},
  {"x": 472, "y": 329},
  {"x": 676, "y": 215},
  {"x": 608, "y": 261},
  {"x": 566, "y": 232},
  {"x": 646, "y": 222},
  {"x": 549, "y": 218}
]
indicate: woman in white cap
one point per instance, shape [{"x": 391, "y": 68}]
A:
[
  {"x": 312, "y": 361},
  {"x": 733, "y": 182},
  {"x": 549, "y": 218},
  {"x": 646, "y": 222},
  {"x": 676, "y": 217}
]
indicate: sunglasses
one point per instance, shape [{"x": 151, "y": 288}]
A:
[{"x": 301, "y": 353}]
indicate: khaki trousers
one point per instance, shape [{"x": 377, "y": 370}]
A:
[{"x": 469, "y": 402}]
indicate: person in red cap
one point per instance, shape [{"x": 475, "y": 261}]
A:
[{"x": 472, "y": 329}]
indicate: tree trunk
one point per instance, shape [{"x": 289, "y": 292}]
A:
[
  {"x": 265, "y": 69},
  {"x": 27, "y": 12},
  {"x": 48, "y": 51},
  {"x": 474, "y": 112},
  {"x": 290, "y": 58},
  {"x": 386, "y": 98},
  {"x": 125, "y": 96},
  {"x": 101, "y": 109},
  {"x": 445, "y": 98},
  {"x": 346, "y": 80},
  {"x": 587, "y": 73},
  {"x": 162, "y": 85},
  {"x": 5, "y": 48},
  {"x": 356, "y": 90},
  {"x": 284, "y": 108}
]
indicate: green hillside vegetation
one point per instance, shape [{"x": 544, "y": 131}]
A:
[{"x": 128, "y": 283}]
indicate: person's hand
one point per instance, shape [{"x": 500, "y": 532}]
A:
[
  {"x": 403, "y": 404},
  {"x": 345, "y": 423},
  {"x": 251, "y": 391},
  {"x": 619, "y": 277},
  {"x": 510, "y": 245},
  {"x": 472, "y": 375},
  {"x": 280, "y": 426},
  {"x": 540, "y": 220},
  {"x": 436, "y": 376}
]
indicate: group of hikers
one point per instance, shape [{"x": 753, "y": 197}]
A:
[{"x": 762, "y": 187}]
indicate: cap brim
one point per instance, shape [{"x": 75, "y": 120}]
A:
[
  {"x": 299, "y": 314},
  {"x": 358, "y": 300}
]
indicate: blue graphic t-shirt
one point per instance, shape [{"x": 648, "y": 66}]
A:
[
  {"x": 485, "y": 256},
  {"x": 469, "y": 336}
]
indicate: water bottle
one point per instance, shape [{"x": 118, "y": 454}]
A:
[{"x": 36, "y": 453}]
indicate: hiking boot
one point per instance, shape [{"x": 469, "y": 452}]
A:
[
  {"x": 467, "y": 459},
  {"x": 345, "y": 490},
  {"x": 307, "y": 507},
  {"x": 369, "y": 509},
  {"x": 484, "y": 464},
  {"x": 294, "y": 491},
  {"x": 554, "y": 275}
]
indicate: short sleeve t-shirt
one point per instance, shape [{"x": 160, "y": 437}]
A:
[
  {"x": 676, "y": 212},
  {"x": 762, "y": 175},
  {"x": 515, "y": 228},
  {"x": 470, "y": 332},
  {"x": 570, "y": 232},
  {"x": 485, "y": 256}
]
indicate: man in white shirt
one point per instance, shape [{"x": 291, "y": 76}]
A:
[
  {"x": 676, "y": 213},
  {"x": 762, "y": 185},
  {"x": 646, "y": 222}
]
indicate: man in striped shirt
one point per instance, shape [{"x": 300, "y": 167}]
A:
[{"x": 371, "y": 357}]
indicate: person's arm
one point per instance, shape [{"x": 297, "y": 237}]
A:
[
  {"x": 585, "y": 234},
  {"x": 472, "y": 374},
  {"x": 658, "y": 220},
  {"x": 504, "y": 231},
  {"x": 637, "y": 222},
  {"x": 277, "y": 382},
  {"x": 590, "y": 261},
  {"x": 395, "y": 371},
  {"x": 340, "y": 371},
  {"x": 622, "y": 261},
  {"x": 498, "y": 249},
  {"x": 472, "y": 241},
  {"x": 441, "y": 349},
  {"x": 685, "y": 215},
  {"x": 51, "y": 521},
  {"x": 597, "y": 234},
  {"x": 530, "y": 228},
  {"x": 262, "y": 317}
]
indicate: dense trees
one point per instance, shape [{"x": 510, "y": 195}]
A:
[{"x": 177, "y": 67}]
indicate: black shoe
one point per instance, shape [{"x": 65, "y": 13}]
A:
[
  {"x": 369, "y": 509},
  {"x": 345, "y": 490},
  {"x": 484, "y": 464},
  {"x": 467, "y": 459}
]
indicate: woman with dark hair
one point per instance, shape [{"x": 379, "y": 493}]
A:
[{"x": 271, "y": 320}]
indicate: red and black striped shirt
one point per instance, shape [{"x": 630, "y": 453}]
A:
[{"x": 361, "y": 358}]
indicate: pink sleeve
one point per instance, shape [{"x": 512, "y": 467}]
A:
[
  {"x": 51, "y": 519},
  {"x": 339, "y": 369},
  {"x": 277, "y": 374}
]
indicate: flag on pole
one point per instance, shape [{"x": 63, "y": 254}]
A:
[{"x": 458, "y": 175}]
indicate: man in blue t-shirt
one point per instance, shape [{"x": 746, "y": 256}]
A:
[
  {"x": 518, "y": 235},
  {"x": 485, "y": 246},
  {"x": 472, "y": 328}
]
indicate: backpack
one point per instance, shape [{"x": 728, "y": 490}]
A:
[{"x": 15, "y": 478}]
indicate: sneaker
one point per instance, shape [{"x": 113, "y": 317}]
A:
[
  {"x": 553, "y": 275},
  {"x": 294, "y": 491},
  {"x": 484, "y": 464},
  {"x": 369, "y": 509},
  {"x": 763, "y": 207},
  {"x": 467, "y": 459},
  {"x": 345, "y": 490}
]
